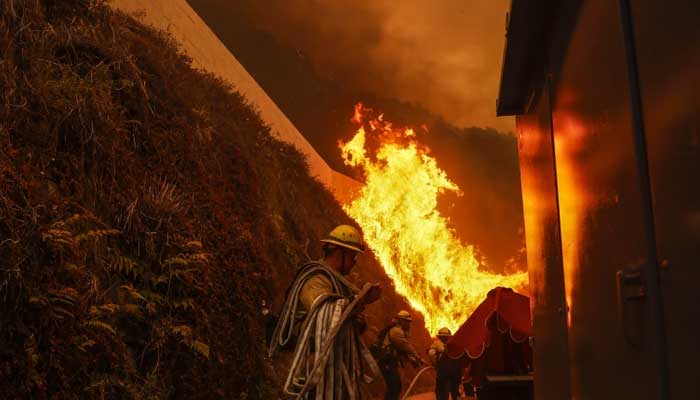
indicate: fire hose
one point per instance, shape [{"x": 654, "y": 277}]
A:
[
  {"x": 325, "y": 352},
  {"x": 322, "y": 326},
  {"x": 415, "y": 379}
]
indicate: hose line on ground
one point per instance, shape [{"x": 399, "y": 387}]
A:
[{"x": 415, "y": 379}]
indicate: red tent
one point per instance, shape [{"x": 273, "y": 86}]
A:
[{"x": 494, "y": 339}]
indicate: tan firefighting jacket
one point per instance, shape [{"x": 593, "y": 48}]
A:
[
  {"x": 437, "y": 348},
  {"x": 397, "y": 341}
]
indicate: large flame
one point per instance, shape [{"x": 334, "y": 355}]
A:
[{"x": 397, "y": 210}]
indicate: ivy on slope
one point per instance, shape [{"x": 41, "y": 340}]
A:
[{"x": 145, "y": 211}]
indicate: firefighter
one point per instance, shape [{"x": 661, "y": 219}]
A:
[
  {"x": 340, "y": 248},
  {"x": 320, "y": 293},
  {"x": 395, "y": 350},
  {"x": 447, "y": 370}
]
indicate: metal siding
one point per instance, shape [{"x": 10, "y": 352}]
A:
[
  {"x": 668, "y": 53},
  {"x": 601, "y": 214}
]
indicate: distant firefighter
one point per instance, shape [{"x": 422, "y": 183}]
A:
[
  {"x": 322, "y": 318},
  {"x": 448, "y": 371},
  {"x": 392, "y": 349}
]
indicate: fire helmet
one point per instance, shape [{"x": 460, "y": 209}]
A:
[
  {"x": 444, "y": 332},
  {"x": 345, "y": 236},
  {"x": 403, "y": 314}
]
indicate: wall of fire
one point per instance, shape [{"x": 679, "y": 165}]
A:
[{"x": 588, "y": 256}]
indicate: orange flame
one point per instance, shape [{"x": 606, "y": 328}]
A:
[{"x": 397, "y": 210}]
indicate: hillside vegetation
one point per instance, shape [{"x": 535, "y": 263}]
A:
[{"x": 145, "y": 213}]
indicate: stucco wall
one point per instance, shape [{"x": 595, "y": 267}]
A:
[{"x": 208, "y": 53}]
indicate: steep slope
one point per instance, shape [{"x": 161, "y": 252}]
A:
[{"x": 145, "y": 213}]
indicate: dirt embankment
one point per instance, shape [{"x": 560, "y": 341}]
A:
[{"x": 145, "y": 212}]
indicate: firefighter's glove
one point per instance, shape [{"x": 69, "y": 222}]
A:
[
  {"x": 416, "y": 361},
  {"x": 374, "y": 293}
]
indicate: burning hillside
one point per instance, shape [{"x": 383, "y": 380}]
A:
[{"x": 397, "y": 210}]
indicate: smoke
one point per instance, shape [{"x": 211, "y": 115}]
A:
[{"x": 445, "y": 55}]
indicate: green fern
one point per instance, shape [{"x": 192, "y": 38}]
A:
[
  {"x": 58, "y": 236},
  {"x": 160, "y": 279},
  {"x": 101, "y": 326},
  {"x": 86, "y": 344},
  {"x": 96, "y": 234},
  {"x": 59, "y": 304},
  {"x": 67, "y": 296},
  {"x": 199, "y": 348},
  {"x": 59, "y": 239},
  {"x": 61, "y": 313},
  {"x": 124, "y": 265},
  {"x": 183, "y": 331},
  {"x": 177, "y": 261},
  {"x": 38, "y": 300},
  {"x": 104, "y": 310},
  {"x": 184, "y": 304},
  {"x": 153, "y": 297},
  {"x": 133, "y": 294}
]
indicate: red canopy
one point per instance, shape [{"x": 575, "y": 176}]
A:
[{"x": 494, "y": 337}]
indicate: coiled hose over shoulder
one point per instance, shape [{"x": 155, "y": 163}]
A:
[
  {"x": 284, "y": 331},
  {"x": 329, "y": 352}
]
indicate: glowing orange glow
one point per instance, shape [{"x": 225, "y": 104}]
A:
[
  {"x": 397, "y": 210},
  {"x": 573, "y": 199},
  {"x": 538, "y": 202}
]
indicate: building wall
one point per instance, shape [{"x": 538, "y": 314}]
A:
[
  {"x": 544, "y": 253},
  {"x": 208, "y": 53},
  {"x": 600, "y": 208},
  {"x": 611, "y": 343},
  {"x": 668, "y": 52}
]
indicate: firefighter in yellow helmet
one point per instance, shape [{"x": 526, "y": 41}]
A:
[
  {"x": 448, "y": 371},
  {"x": 340, "y": 248},
  {"x": 394, "y": 350},
  {"x": 318, "y": 296}
]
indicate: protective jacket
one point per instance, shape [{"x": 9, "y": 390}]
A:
[
  {"x": 399, "y": 348},
  {"x": 448, "y": 371},
  {"x": 444, "y": 365},
  {"x": 324, "y": 367}
]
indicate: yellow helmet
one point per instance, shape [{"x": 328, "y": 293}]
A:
[
  {"x": 403, "y": 314},
  {"x": 346, "y": 236},
  {"x": 444, "y": 332}
]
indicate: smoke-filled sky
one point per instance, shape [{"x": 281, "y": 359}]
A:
[{"x": 444, "y": 55}]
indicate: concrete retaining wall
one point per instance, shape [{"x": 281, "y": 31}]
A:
[{"x": 208, "y": 53}]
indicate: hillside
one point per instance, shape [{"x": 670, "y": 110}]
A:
[
  {"x": 482, "y": 161},
  {"x": 145, "y": 214}
]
